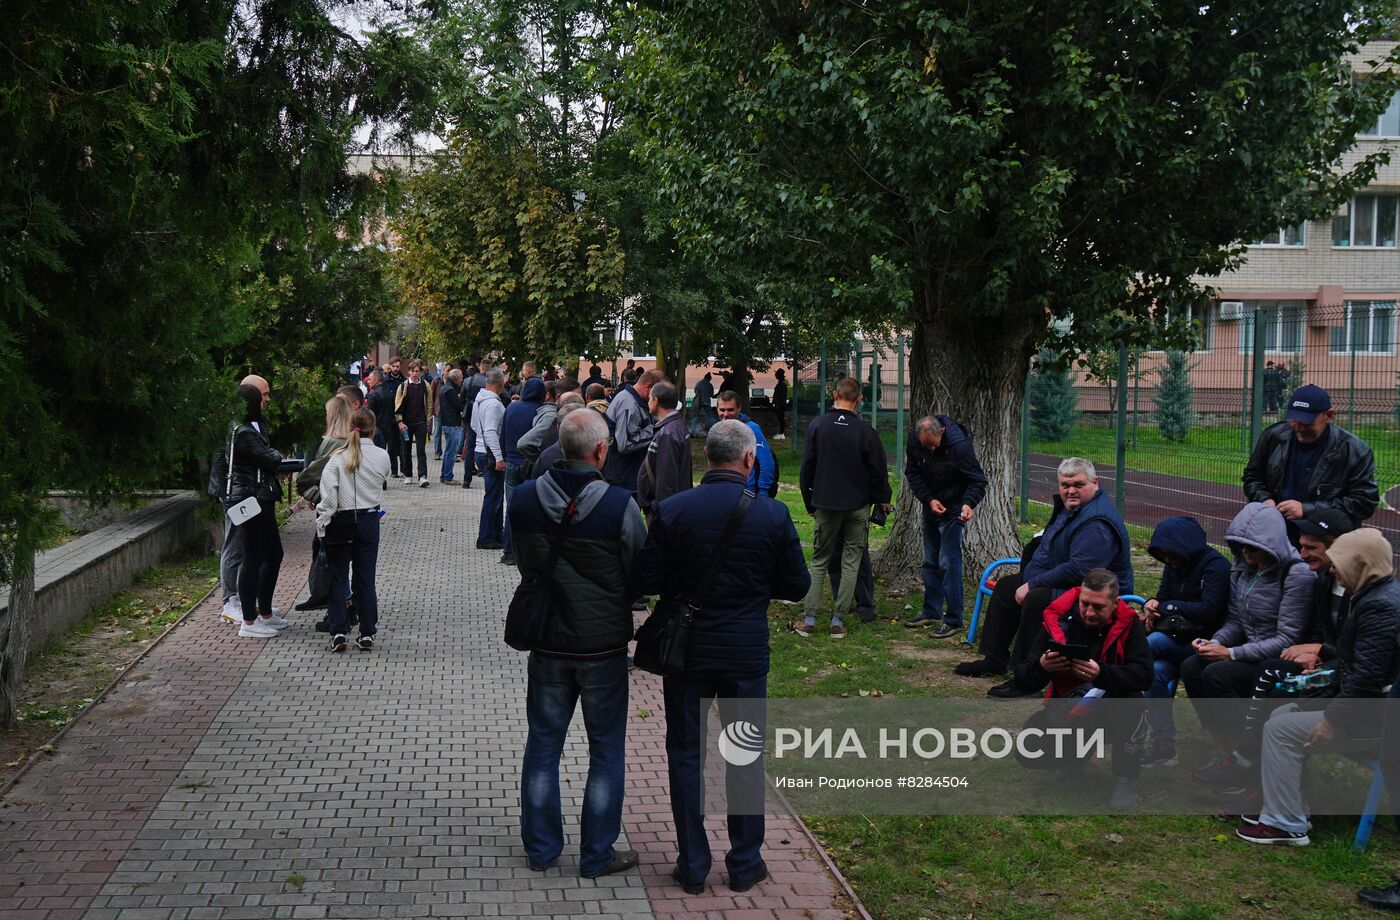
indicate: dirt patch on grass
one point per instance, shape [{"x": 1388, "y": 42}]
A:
[{"x": 70, "y": 673}]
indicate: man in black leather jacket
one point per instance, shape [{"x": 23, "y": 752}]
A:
[{"x": 1305, "y": 464}]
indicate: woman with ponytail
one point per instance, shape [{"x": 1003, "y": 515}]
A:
[
  {"x": 347, "y": 523},
  {"x": 339, "y": 411}
]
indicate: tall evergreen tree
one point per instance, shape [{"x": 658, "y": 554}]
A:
[
  {"x": 1053, "y": 403},
  {"x": 1174, "y": 394}
]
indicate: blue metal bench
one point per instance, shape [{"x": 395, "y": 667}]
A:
[{"x": 984, "y": 591}]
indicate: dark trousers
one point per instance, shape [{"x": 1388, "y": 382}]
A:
[
  {"x": 417, "y": 439},
  {"x": 468, "y": 454},
  {"x": 556, "y": 686},
  {"x": 1011, "y": 627},
  {"x": 491, "y": 522},
  {"x": 364, "y": 552},
  {"x": 1119, "y": 721},
  {"x": 782, "y": 413},
  {"x": 686, "y": 747},
  {"x": 865, "y": 581},
  {"x": 262, "y": 561},
  {"x": 1207, "y": 680}
]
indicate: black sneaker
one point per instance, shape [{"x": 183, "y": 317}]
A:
[
  {"x": 945, "y": 631},
  {"x": 489, "y": 544},
  {"x": 365, "y": 643},
  {"x": 507, "y": 560},
  {"x": 338, "y": 642},
  {"x": 323, "y": 625},
  {"x": 622, "y": 861}
]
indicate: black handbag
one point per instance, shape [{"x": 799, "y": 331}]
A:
[
  {"x": 340, "y": 529},
  {"x": 528, "y": 615},
  {"x": 663, "y": 641}
]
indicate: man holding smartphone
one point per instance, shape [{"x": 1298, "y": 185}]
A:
[{"x": 1091, "y": 645}]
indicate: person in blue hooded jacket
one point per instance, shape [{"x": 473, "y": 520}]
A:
[
  {"x": 764, "y": 478},
  {"x": 1191, "y": 603},
  {"x": 518, "y": 419}
]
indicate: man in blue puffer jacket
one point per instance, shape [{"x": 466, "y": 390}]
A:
[{"x": 728, "y": 652}]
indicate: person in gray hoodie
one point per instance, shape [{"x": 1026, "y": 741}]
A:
[{"x": 1270, "y": 609}]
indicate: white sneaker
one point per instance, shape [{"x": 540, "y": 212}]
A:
[
  {"x": 233, "y": 610},
  {"x": 275, "y": 621},
  {"x": 422, "y": 482},
  {"x": 780, "y": 437},
  {"x": 256, "y": 631},
  {"x": 407, "y": 481}
]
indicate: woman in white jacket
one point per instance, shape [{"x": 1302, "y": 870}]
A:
[{"x": 347, "y": 521}]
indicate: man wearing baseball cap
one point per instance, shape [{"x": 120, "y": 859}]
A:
[
  {"x": 1330, "y": 601},
  {"x": 1305, "y": 464}
]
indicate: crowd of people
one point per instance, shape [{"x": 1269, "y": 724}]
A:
[{"x": 592, "y": 487}]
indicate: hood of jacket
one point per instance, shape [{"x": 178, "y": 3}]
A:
[
  {"x": 953, "y": 432},
  {"x": 1361, "y": 558},
  {"x": 570, "y": 481},
  {"x": 1262, "y": 527},
  {"x": 1182, "y": 536},
  {"x": 532, "y": 391}
]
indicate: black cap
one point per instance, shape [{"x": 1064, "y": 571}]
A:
[{"x": 1328, "y": 522}]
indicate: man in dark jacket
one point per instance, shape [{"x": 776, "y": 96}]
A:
[
  {"x": 1305, "y": 463},
  {"x": 702, "y": 410},
  {"x": 595, "y": 375},
  {"x": 451, "y": 415},
  {"x": 666, "y": 469},
  {"x": 843, "y": 474},
  {"x": 1118, "y": 668},
  {"x": 518, "y": 419},
  {"x": 632, "y": 430},
  {"x": 1366, "y": 664},
  {"x": 473, "y": 380},
  {"x": 1085, "y": 532},
  {"x": 554, "y": 453},
  {"x": 729, "y": 653},
  {"x": 584, "y": 652},
  {"x": 380, "y": 401},
  {"x": 942, "y": 469},
  {"x": 1190, "y": 604}
]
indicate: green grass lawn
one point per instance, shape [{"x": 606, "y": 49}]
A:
[{"x": 1176, "y": 868}]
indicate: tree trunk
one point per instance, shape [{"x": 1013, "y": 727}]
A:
[
  {"x": 975, "y": 373},
  {"x": 15, "y": 626}
]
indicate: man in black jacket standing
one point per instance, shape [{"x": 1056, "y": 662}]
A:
[
  {"x": 943, "y": 472},
  {"x": 666, "y": 469},
  {"x": 380, "y": 401},
  {"x": 1305, "y": 464},
  {"x": 728, "y": 653},
  {"x": 843, "y": 473}
]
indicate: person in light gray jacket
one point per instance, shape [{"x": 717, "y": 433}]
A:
[{"x": 1270, "y": 609}]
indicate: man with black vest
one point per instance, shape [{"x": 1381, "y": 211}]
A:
[
  {"x": 728, "y": 651},
  {"x": 1305, "y": 464},
  {"x": 942, "y": 470},
  {"x": 1085, "y": 532},
  {"x": 583, "y": 656}
]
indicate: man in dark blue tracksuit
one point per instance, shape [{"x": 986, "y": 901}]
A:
[{"x": 728, "y": 652}]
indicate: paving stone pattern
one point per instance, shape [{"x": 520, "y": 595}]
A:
[{"x": 236, "y": 778}]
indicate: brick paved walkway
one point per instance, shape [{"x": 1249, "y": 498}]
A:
[{"x": 245, "y": 779}]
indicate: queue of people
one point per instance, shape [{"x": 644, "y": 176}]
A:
[{"x": 595, "y": 491}]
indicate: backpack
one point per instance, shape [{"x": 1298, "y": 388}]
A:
[{"x": 221, "y": 471}]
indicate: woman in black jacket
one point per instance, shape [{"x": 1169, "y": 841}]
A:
[{"x": 255, "y": 476}]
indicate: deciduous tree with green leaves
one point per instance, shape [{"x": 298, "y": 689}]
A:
[{"x": 970, "y": 172}]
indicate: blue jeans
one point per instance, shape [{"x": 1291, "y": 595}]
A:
[
  {"x": 490, "y": 527},
  {"x": 514, "y": 477},
  {"x": 364, "y": 552},
  {"x": 1167, "y": 656},
  {"x": 555, "y": 686},
  {"x": 452, "y": 442},
  {"x": 943, "y": 568},
  {"x": 686, "y": 749}
]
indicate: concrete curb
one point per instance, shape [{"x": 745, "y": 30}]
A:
[{"x": 821, "y": 851}]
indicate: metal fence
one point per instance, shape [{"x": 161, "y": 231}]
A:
[{"x": 1173, "y": 440}]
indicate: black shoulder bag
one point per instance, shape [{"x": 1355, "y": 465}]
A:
[
  {"x": 663, "y": 641},
  {"x": 528, "y": 616}
]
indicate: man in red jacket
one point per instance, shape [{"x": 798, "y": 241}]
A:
[{"x": 1112, "y": 661}]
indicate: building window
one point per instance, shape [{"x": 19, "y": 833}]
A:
[
  {"x": 1201, "y": 319},
  {"x": 1388, "y": 125},
  {"x": 1285, "y": 236},
  {"x": 1283, "y": 326},
  {"x": 1369, "y": 221},
  {"x": 1367, "y": 328}
]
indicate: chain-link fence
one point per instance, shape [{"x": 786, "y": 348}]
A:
[{"x": 1187, "y": 419}]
